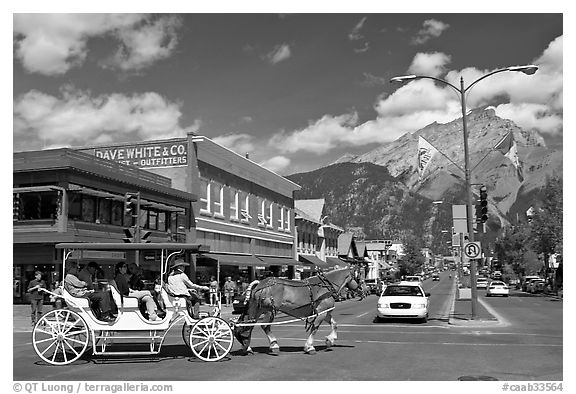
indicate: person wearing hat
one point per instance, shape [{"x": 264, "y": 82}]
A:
[
  {"x": 100, "y": 300},
  {"x": 180, "y": 285}
]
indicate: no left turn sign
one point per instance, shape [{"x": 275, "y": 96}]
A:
[{"x": 472, "y": 250}]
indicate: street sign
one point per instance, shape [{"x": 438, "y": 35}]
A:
[{"x": 472, "y": 250}]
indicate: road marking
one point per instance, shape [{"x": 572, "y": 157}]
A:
[
  {"x": 364, "y": 314},
  {"x": 503, "y": 322},
  {"x": 340, "y": 341}
]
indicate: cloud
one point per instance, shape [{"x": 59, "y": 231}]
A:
[
  {"x": 432, "y": 64},
  {"x": 277, "y": 163},
  {"x": 146, "y": 43},
  {"x": 533, "y": 102},
  {"x": 373, "y": 80},
  {"x": 430, "y": 28},
  {"x": 239, "y": 143},
  {"x": 279, "y": 54},
  {"x": 52, "y": 44},
  {"x": 76, "y": 118},
  {"x": 532, "y": 116},
  {"x": 363, "y": 49},
  {"x": 355, "y": 33}
]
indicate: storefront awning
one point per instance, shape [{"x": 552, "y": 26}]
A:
[
  {"x": 266, "y": 260},
  {"x": 336, "y": 262},
  {"x": 234, "y": 259},
  {"x": 313, "y": 260}
]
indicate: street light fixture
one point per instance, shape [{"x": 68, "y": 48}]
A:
[{"x": 528, "y": 70}]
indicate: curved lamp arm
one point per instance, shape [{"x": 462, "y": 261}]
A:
[{"x": 407, "y": 78}]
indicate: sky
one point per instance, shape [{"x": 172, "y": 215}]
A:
[{"x": 295, "y": 91}]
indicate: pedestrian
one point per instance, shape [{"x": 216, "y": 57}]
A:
[
  {"x": 213, "y": 291},
  {"x": 229, "y": 289},
  {"x": 36, "y": 296}
]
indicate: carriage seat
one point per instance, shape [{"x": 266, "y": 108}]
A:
[{"x": 124, "y": 301}]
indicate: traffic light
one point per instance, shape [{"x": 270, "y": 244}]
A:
[
  {"x": 130, "y": 204},
  {"x": 482, "y": 214}
]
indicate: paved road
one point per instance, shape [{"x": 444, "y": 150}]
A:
[{"x": 525, "y": 345}]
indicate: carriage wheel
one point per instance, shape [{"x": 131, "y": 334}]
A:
[
  {"x": 60, "y": 337},
  {"x": 211, "y": 339}
]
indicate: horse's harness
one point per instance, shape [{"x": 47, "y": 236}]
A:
[{"x": 324, "y": 282}]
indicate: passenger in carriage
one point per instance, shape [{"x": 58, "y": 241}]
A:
[
  {"x": 144, "y": 296},
  {"x": 101, "y": 300},
  {"x": 180, "y": 285}
]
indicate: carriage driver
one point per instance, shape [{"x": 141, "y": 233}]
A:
[{"x": 180, "y": 285}]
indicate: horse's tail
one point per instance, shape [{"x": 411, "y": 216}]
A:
[{"x": 249, "y": 291}]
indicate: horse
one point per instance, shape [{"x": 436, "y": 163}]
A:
[{"x": 311, "y": 299}]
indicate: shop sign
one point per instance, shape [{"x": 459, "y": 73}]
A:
[
  {"x": 97, "y": 254},
  {"x": 152, "y": 155}
]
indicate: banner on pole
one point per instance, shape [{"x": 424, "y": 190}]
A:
[{"x": 425, "y": 154}]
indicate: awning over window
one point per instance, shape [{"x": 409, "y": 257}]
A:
[
  {"x": 235, "y": 259},
  {"x": 277, "y": 261},
  {"x": 336, "y": 262},
  {"x": 313, "y": 260}
]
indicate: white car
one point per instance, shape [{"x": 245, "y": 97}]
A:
[
  {"x": 403, "y": 300},
  {"x": 497, "y": 287},
  {"x": 415, "y": 279},
  {"x": 481, "y": 283}
]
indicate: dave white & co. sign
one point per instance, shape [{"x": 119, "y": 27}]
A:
[{"x": 156, "y": 155}]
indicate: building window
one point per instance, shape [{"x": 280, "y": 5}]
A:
[
  {"x": 262, "y": 214},
  {"x": 104, "y": 211},
  {"x": 245, "y": 212},
  {"x": 270, "y": 216},
  {"x": 36, "y": 205},
  {"x": 287, "y": 220},
  {"x": 162, "y": 221},
  {"x": 233, "y": 204},
  {"x": 281, "y": 219},
  {"x": 219, "y": 201},
  {"x": 88, "y": 209},
  {"x": 117, "y": 213},
  {"x": 205, "y": 197}
]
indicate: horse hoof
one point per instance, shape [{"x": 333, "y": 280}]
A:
[
  {"x": 310, "y": 351},
  {"x": 247, "y": 352},
  {"x": 329, "y": 343},
  {"x": 275, "y": 350}
]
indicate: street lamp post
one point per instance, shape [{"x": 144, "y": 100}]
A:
[{"x": 528, "y": 70}]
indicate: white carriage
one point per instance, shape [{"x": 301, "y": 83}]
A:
[{"x": 61, "y": 336}]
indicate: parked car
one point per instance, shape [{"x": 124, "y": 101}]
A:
[
  {"x": 536, "y": 286},
  {"x": 435, "y": 277},
  {"x": 497, "y": 275},
  {"x": 403, "y": 300},
  {"x": 412, "y": 279},
  {"x": 527, "y": 280},
  {"x": 481, "y": 283},
  {"x": 497, "y": 287}
]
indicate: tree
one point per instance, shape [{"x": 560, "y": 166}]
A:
[
  {"x": 512, "y": 247},
  {"x": 546, "y": 228},
  {"x": 413, "y": 259}
]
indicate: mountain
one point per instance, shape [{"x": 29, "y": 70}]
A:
[{"x": 381, "y": 191}]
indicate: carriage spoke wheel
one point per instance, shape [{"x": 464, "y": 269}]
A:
[
  {"x": 211, "y": 339},
  {"x": 60, "y": 337}
]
